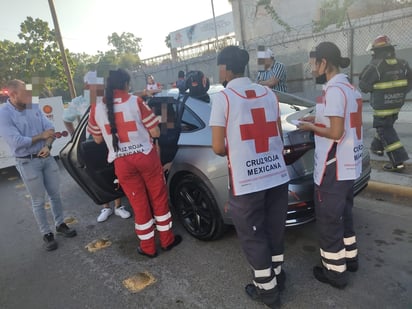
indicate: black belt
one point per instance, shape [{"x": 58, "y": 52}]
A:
[{"x": 31, "y": 156}]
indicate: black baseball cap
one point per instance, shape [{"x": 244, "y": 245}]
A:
[{"x": 330, "y": 52}]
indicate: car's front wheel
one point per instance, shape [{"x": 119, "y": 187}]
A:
[{"x": 197, "y": 209}]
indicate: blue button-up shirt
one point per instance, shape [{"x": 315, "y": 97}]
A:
[{"x": 18, "y": 127}]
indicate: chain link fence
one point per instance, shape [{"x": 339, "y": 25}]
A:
[{"x": 292, "y": 49}]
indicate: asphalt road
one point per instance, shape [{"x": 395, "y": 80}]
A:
[{"x": 195, "y": 274}]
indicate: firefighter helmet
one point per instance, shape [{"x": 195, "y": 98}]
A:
[{"x": 380, "y": 42}]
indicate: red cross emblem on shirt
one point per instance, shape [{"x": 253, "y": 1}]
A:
[
  {"x": 260, "y": 130},
  {"x": 123, "y": 127},
  {"x": 356, "y": 119}
]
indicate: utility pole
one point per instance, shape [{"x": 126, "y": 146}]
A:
[
  {"x": 214, "y": 21},
  {"x": 62, "y": 51}
]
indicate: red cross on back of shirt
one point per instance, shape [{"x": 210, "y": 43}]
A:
[
  {"x": 356, "y": 119},
  {"x": 260, "y": 130},
  {"x": 123, "y": 127}
]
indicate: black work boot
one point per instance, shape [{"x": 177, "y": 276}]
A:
[
  {"x": 281, "y": 279},
  {"x": 335, "y": 279},
  {"x": 352, "y": 265},
  {"x": 270, "y": 298}
]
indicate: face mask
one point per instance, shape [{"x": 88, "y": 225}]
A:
[{"x": 321, "y": 79}]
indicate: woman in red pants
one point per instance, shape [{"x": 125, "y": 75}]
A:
[{"x": 127, "y": 125}]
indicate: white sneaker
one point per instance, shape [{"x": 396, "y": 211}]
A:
[
  {"x": 105, "y": 213},
  {"x": 121, "y": 212}
]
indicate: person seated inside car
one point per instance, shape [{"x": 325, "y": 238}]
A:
[{"x": 198, "y": 85}]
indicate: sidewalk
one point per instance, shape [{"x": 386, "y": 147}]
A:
[{"x": 384, "y": 185}]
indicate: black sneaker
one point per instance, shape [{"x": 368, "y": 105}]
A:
[
  {"x": 64, "y": 230},
  {"x": 393, "y": 168},
  {"x": 141, "y": 252},
  {"x": 49, "y": 242},
  {"x": 378, "y": 152},
  {"x": 178, "y": 240}
]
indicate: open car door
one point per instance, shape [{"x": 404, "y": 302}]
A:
[{"x": 86, "y": 161}]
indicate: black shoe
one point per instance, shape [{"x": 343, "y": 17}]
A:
[
  {"x": 141, "y": 252},
  {"x": 49, "y": 242},
  {"x": 352, "y": 266},
  {"x": 270, "y": 298},
  {"x": 319, "y": 273},
  {"x": 393, "y": 168},
  {"x": 64, "y": 230},
  {"x": 178, "y": 240},
  {"x": 281, "y": 279},
  {"x": 378, "y": 152}
]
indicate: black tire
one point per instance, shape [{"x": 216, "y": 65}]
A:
[{"x": 197, "y": 209}]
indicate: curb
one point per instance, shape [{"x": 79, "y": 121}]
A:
[{"x": 386, "y": 191}]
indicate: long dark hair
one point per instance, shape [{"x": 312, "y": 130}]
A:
[{"x": 117, "y": 80}]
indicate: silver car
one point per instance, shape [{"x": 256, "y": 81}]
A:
[{"x": 197, "y": 179}]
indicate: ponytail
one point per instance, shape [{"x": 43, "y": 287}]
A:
[{"x": 117, "y": 80}]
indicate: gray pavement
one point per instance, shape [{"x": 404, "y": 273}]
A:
[{"x": 385, "y": 184}]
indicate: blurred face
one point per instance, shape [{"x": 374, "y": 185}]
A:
[
  {"x": 222, "y": 73},
  {"x": 268, "y": 62},
  {"x": 318, "y": 68},
  {"x": 22, "y": 95},
  {"x": 150, "y": 80}
]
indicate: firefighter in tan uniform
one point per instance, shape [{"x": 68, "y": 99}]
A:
[
  {"x": 246, "y": 128},
  {"x": 338, "y": 162},
  {"x": 388, "y": 80}
]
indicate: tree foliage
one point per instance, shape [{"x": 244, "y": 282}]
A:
[
  {"x": 125, "y": 43},
  {"x": 168, "y": 41},
  {"x": 38, "y": 55},
  {"x": 332, "y": 13},
  {"x": 272, "y": 12}
]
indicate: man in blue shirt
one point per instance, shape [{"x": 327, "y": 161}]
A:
[{"x": 30, "y": 135}]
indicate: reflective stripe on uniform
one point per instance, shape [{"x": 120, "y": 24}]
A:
[
  {"x": 390, "y": 84},
  {"x": 349, "y": 240},
  {"x": 277, "y": 270},
  {"x": 391, "y": 61},
  {"x": 164, "y": 227},
  {"x": 277, "y": 258},
  {"x": 351, "y": 254},
  {"x": 393, "y": 147},
  {"x": 386, "y": 112},
  {"x": 163, "y": 218},
  {"x": 262, "y": 273},
  {"x": 266, "y": 286},
  {"x": 145, "y": 226},
  {"x": 332, "y": 255},
  {"x": 337, "y": 268},
  {"x": 146, "y": 236}
]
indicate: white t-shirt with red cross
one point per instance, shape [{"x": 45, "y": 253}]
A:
[
  {"x": 340, "y": 99},
  {"x": 249, "y": 112},
  {"x": 133, "y": 119}
]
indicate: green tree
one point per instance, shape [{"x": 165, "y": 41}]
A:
[
  {"x": 43, "y": 58},
  {"x": 13, "y": 62},
  {"x": 125, "y": 43},
  {"x": 332, "y": 13},
  {"x": 168, "y": 41}
]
